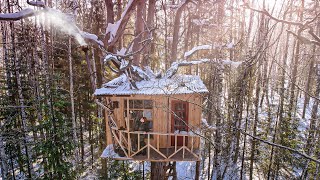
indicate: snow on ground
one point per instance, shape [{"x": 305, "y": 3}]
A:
[
  {"x": 108, "y": 152},
  {"x": 230, "y": 45},
  {"x": 304, "y": 122},
  {"x": 186, "y": 170}
]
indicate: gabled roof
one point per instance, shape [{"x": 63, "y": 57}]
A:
[{"x": 177, "y": 84}]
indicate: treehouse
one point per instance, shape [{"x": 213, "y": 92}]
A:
[{"x": 157, "y": 120}]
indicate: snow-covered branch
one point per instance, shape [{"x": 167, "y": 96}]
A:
[
  {"x": 197, "y": 48},
  {"x": 59, "y": 20},
  {"x": 24, "y": 13},
  {"x": 36, "y": 3},
  {"x": 115, "y": 30},
  {"x": 175, "y": 66},
  {"x": 207, "y": 47},
  {"x": 91, "y": 37}
]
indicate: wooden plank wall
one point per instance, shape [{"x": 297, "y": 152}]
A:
[
  {"x": 195, "y": 111},
  {"x": 162, "y": 115}
]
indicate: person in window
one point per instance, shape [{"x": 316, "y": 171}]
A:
[{"x": 141, "y": 125}]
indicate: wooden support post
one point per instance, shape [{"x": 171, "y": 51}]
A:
[
  {"x": 183, "y": 150},
  {"x": 128, "y": 115},
  {"x": 120, "y": 136},
  {"x": 158, "y": 142},
  {"x": 191, "y": 143},
  {"x": 175, "y": 142},
  {"x": 148, "y": 146},
  {"x": 129, "y": 144},
  {"x": 138, "y": 141},
  {"x": 128, "y": 128}
]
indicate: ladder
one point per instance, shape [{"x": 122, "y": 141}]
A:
[{"x": 170, "y": 170}]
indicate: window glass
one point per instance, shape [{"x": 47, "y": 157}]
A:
[
  {"x": 180, "y": 107},
  {"x": 136, "y": 114},
  {"x": 138, "y": 104},
  {"x": 150, "y": 125},
  {"x": 130, "y": 104},
  {"x": 147, "y": 114},
  {"x": 147, "y": 104}
]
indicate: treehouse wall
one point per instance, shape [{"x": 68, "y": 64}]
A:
[{"x": 161, "y": 113}]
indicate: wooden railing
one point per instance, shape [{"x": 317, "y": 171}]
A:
[{"x": 124, "y": 139}]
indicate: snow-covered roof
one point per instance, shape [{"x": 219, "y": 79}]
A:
[{"x": 178, "y": 84}]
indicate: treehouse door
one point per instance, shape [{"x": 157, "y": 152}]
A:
[{"x": 179, "y": 121}]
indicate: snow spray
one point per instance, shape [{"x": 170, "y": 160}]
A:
[{"x": 65, "y": 23}]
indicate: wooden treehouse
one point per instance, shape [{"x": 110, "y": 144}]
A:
[{"x": 171, "y": 112}]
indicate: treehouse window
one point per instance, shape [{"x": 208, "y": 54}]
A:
[{"x": 137, "y": 110}]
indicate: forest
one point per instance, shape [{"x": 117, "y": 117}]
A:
[{"x": 258, "y": 59}]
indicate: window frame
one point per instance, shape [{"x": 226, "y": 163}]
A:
[{"x": 145, "y": 108}]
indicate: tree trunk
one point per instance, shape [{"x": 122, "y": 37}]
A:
[
  {"x": 119, "y": 12},
  {"x": 295, "y": 71},
  {"x": 148, "y": 51},
  {"x": 157, "y": 171},
  {"x": 73, "y": 116},
  {"x": 110, "y": 19},
  {"x": 261, "y": 59},
  {"x": 310, "y": 73},
  {"x": 3, "y": 156},
  {"x": 280, "y": 114},
  {"x": 310, "y": 146},
  {"x": 23, "y": 114},
  {"x": 255, "y": 123},
  {"x": 197, "y": 174},
  {"x": 176, "y": 28},
  {"x": 139, "y": 28}
]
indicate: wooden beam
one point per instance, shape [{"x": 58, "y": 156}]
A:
[
  {"x": 192, "y": 144},
  {"x": 158, "y": 152},
  {"x": 128, "y": 126},
  {"x": 139, "y": 150},
  {"x": 138, "y": 141},
  {"x": 183, "y": 150},
  {"x": 175, "y": 152},
  {"x": 175, "y": 142},
  {"x": 158, "y": 141},
  {"x": 195, "y": 155},
  {"x": 148, "y": 146},
  {"x": 115, "y": 136}
]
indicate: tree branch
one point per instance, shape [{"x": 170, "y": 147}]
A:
[
  {"x": 303, "y": 26},
  {"x": 36, "y": 3},
  {"x": 265, "y": 12},
  {"x": 115, "y": 30},
  {"x": 304, "y": 39},
  {"x": 280, "y": 146},
  {"x": 24, "y": 13}
]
